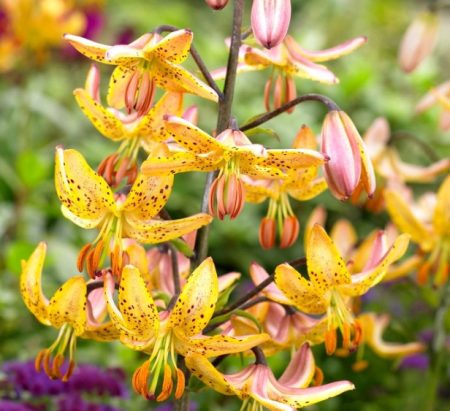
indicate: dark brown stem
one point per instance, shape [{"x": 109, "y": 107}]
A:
[
  {"x": 259, "y": 356},
  {"x": 404, "y": 135},
  {"x": 175, "y": 275},
  {"x": 197, "y": 58},
  {"x": 225, "y": 104},
  {"x": 330, "y": 104},
  {"x": 97, "y": 284}
]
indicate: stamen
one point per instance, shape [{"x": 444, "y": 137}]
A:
[
  {"x": 346, "y": 331},
  {"x": 180, "y": 384},
  {"x": 46, "y": 363},
  {"x": 38, "y": 361},
  {"x": 267, "y": 232},
  {"x": 424, "y": 273},
  {"x": 318, "y": 377},
  {"x": 69, "y": 371},
  {"x": 167, "y": 384},
  {"x": 58, "y": 361},
  {"x": 357, "y": 329},
  {"x": 330, "y": 341},
  {"x": 123, "y": 167},
  {"x": 289, "y": 233},
  {"x": 360, "y": 365},
  {"x": 82, "y": 257}
]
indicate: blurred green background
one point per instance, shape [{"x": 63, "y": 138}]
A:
[{"x": 38, "y": 112}]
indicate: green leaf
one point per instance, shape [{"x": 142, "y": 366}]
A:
[
  {"x": 31, "y": 168},
  {"x": 15, "y": 252},
  {"x": 262, "y": 130}
]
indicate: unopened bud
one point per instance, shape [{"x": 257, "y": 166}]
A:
[
  {"x": 270, "y": 21},
  {"x": 217, "y": 4},
  {"x": 418, "y": 41},
  {"x": 349, "y": 165}
]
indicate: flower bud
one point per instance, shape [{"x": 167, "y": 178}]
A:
[
  {"x": 270, "y": 21},
  {"x": 349, "y": 165},
  {"x": 418, "y": 41},
  {"x": 217, "y": 4}
]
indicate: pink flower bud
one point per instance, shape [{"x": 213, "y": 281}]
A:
[
  {"x": 418, "y": 41},
  {"x": 270, "y": 21},
  {"x": 217, "y": 4},
  {"x": 349, "y": 165}
]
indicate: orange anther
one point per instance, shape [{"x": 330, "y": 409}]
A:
[
  {"x": 46, "y": 363},
  {"x": 38, "y": 360},
  {"x": 56, "y": 366},
  {"x": 180, "y": 384},
  {"x": 358, "y": 333},
  {"x": 69, "y": 371},
  {"x": 318, "y": 377},
  {"x": 360, "y": 365},
  {"x": 167, "y": 385},
  {"x": 82, "y": 256},
  {"x": 267, "y": 232},
  {"x": 423, "y": 273},
  {"x": 290, "y": 230},
  {"x": 330, "y": 341},
  {"x": 346, "y": 336}
]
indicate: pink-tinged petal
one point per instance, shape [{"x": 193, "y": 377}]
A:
[
  {"x": 444, "y": 121},
  {"x": 30, "y": 284},
  {"x": 123, "y": 55},
  {"x": 343, "y": 170},
  {"x": 306, "y": 69},
  {"x": 92, "y": 83},
  {"x": 258, "y": 274},
  {"x": 270, "y": 21},
  {"x": 190, "y": 114},
  {"x": 174, "y": 47},
  {"x": 365, "y": 280},
  {"x": 344, "y": 236},
  {"x": 305, "y": 138},
  {"x": 91, "y": 49},
  {"x": 96, "y": 304},
  {"x": 432, "y": 97},
  {"x": 318, "y": 216},
  {"x": 227, "y": 280},
  {"x": 302, "y": 293},
  {"x": 376, "y": 137},
  {"x": 379, "y": 249},
  {"x": 300, "y": 370},
  {"x": 196, "y": 303},
  {"x": 217, "y": 4},
  {"x": 332, "y": 53},
  {"x": 418, "y": 41},
  {"x": 260, "y": 59}
]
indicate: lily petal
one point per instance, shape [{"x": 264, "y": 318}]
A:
[
  {"x": 68, "y": 305},
  {"x": 30, "y": 284},
  {"x": 102, "y": 332},
  {"x": 326, "y": 267},
  {"x": 195, "y": 305},
  {"x": 294, "y": 158},
  {"x": 300, "y": 370},
  {"x": 441, "y": 217},
  {"x": 174, "y": 47},
  {"x": 118, "y": 84},
  {"x": 258, "y": 274},
  {"x": 81, "y": 190},
  {"x": 303, "y": 294},
  {"x": 91, "y": 49}
]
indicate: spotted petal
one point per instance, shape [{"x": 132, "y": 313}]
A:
[
  {"x": 157, "y": 231},
  {"x": 196, "y": 303},
  {"x": 118, "y": 84},
  {"x": 302, "y": 293},
  {"x": 294, "y": 158},
  {"x": 102, "y": 332},
  {"x": 147, "y": 197},
  {"x": 30, "y": 284},
  {"x": 326, "y": 267},
  {"x": 90, "y": 49},
  {"x": 174, "y": 47},
  {"x": 81, "y": 190},
  {"x": 68, "y": 305}
]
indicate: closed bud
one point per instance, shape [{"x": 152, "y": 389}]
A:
[
  {"x": 270, "y": 21},
  {"x": 418, "y": 41},
  {"x": 217, "y": 4},
  {"x": 348, "y": 166}
]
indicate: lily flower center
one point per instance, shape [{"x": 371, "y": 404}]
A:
[{"x": 54, "y": 367}]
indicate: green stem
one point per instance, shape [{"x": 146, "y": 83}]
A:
[
  {"x": 224, "y": 117},
  {"x": 439, "y": 350}
]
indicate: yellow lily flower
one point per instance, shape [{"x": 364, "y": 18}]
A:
[
  {"x": 331, "y": 285},
  {"x": 89, "y": 202},
  {"x": 301, "y": 184},
  {"x": 258, "y": 388},
  {"x": 71, "y": 310},
  {"x": 148, "y": 61},
  {"x": 428, "y": 224},
  {"x": 234, "y": 155},
  {"x": 174, "y": 331}
]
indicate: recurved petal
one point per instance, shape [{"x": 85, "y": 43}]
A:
[
  {"x": 86, "y": 223},
  {"x": 197, "y": 301},
  {"x": 174, "y": 47},
  {"x": 309, "y": 189},
  {"x": 326, "y": 267},
  {"x": 206, "y": 372},
  {"x": 293, "y": 158},
  {"x": 441, "y": 217},
  {"x": 102, "y": 332},
  {"x": 305, "y": 138},
  {"x": 361, "y": 282},
  {"x": 171, "y": 77},
  {"x": 332, "y": 53},
  {"x": 304, "y": 68},
  {"x": 102, "y": 119},
  {"x": 157, "y": 231},
  {"x": 258, "y": 274},
  {"x": 420, "y": 174},
  {"x": 147, "y": 197},
  {"x": 68, "y": 305},
  {"x": 136, "y": 304},
  {"x": 152, "y": 126},
  {"x": 191, "y": 137},
  {"x": 91, "y": 49},
  {"x": 30, "y": 284},
  {"x": 118, "y": 85},
  {"x": 405, "y": 220},
  {"x": 302, "y": 293},
  {"x": 217, "y": 344},
  {"x": 300, "y": 370},
  {"x": 81, "y": 190},
  {"x": 344, "y": 236}
]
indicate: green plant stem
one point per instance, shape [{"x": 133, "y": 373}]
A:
[
  {"x": 439, "y": 350},
  {"x": 225, "y": 105}
]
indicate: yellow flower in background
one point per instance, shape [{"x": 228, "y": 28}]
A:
[
  {"x": 71, "y": 310},
  {"x": 428, "y": 224},
  {"x": 174, "y": 331},
  {"x": 330, "y": 285},
  {"x": 258, "y": 388},
  {"x": 148, "y": 61},
  {"x": 88, "y": 201}
]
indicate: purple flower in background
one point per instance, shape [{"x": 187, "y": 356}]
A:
[{"x": 419, "y": 362}]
